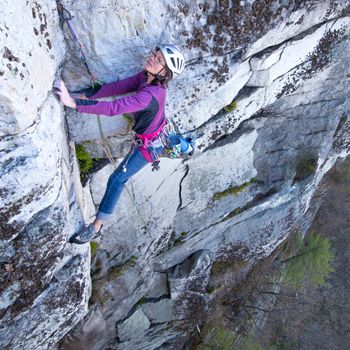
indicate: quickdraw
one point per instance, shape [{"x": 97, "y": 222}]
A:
[{"x": 163, "y": 140}]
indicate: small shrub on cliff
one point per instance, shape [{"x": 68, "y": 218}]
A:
[
  {"x": 217, "y": 338},
  {"x": 341, "y": 173},
  {"x": 231, "y": 107},
  {"x": 118, "y": 271},
  {"x": 305, "y": 167},
  {"x": 94, "y": 247},
  {"x": 85, "y": 161},
  {"x": 233, "y": 190},
  {"x": 311, "y": 261}
]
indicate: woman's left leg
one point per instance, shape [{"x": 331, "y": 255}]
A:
[{"x": 131, "y": 165}]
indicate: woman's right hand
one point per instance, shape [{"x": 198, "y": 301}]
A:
[{"x": 62, "y": 92}]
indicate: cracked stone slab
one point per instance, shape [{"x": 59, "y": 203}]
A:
[
  {"x": 159, "y": 286},
  {"x": 134, "y": 326},
  {"x": 298, "y": 22},
  {"x": 290, "y": 55},
  {"x": 86, "y": 127},
  {"x": 159, "y": 312},
  {"x": 25, "y": 190}
]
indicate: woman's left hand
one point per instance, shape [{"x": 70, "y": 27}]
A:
[{"x": 62, "y": 92}]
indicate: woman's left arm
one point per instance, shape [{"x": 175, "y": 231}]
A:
[
  {"x": 128, "y": 104},
  {"x": 61, "y": 90},
  {"x": 120, "y": 87}
]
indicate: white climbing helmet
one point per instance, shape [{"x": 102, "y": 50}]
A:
[{"x": 174, "y": 59}]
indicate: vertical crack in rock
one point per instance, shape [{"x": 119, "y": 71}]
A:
[{"x": 187, "y": 169}]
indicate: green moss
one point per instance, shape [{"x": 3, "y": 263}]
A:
[
  {"x": 218, "y": 338},
  {"x": 85, "y": 161},
  {"x": 258, "y": 198},
  {"x": 212, "y": 290},
  {"x": 129, "y": 119},
  {"x": 233, "y": 191},
  {"x": 231, "y": 107},
  {"x": 93, "y": 247},
  {"x": 311, "y": 262},
  {"x": 341, "y": 172},
  {"x": 170, "y": 325},
  {"x": 99, "y": 296},
  {"x": 220, "y": 267},
  {"x": 131, "y": 262},
  {"x": 178, "y": 242},
  {"x": 233, "y": 213},
  {"x": 118, "y": 271},
  {"x": 115, "y": 271},
  {"x": 305, "y": 167},
  {"x": 141, "y": 302}
]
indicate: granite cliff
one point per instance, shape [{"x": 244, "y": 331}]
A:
[{"x": 265, "y": 93}]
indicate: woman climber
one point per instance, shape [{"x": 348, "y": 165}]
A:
[{"x": 147, "y": 105}]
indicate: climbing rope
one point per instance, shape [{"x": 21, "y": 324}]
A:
[
  {"x": 109, "y": 155},
  {"x": 66, "y": 17}
]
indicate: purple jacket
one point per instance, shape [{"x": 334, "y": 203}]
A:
[{"x": 147, "y": 104}]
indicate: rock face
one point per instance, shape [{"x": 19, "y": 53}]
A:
[
  {"x": 266, "y": 94},
  {"x": 44, "y": 284}
]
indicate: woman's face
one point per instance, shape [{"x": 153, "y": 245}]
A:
[{"x": 155, "y": 63}]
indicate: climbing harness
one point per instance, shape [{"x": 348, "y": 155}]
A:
[{"x": 165, "y": 139}]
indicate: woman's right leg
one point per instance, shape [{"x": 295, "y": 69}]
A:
[{"x": 133, "y": 162}]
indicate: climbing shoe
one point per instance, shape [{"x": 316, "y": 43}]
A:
[{"x": 86, "y": 234}]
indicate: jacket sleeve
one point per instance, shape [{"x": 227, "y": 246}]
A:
[
  {"x": 128, "y": 104},
  {"x": 120, "y": 87}
]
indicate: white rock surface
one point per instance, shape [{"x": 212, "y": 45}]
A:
[
  {"x": 298, "y": 22},
  {"x": 26, "y": 190},
  {"x": 32, "y": 48},
  {"x": 291, "y": 55}
]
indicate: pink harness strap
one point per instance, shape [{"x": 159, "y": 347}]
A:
[
  {"x": 145, "y": 138},
  {"x": 150, "y": 137}
]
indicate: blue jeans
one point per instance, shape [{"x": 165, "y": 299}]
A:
[{"x": 134, "y": 162}]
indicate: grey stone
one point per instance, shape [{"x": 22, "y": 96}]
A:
[
  {"x": 159, "y": 312},
  {"x": 134, "y": 326},
  {"x": 159, "y": 286}
]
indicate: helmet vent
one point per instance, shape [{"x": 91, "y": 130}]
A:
[{"x": 174, "y": 59}]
